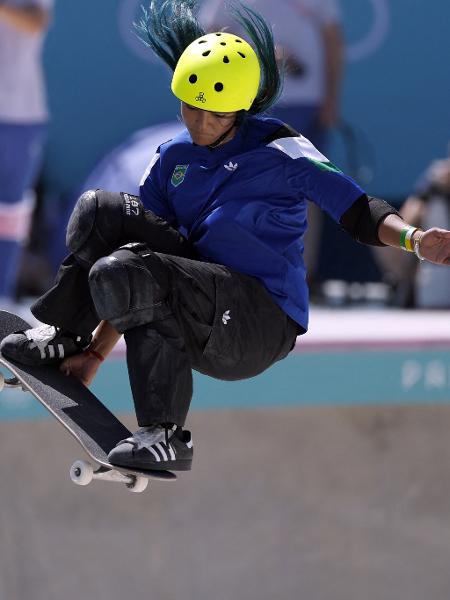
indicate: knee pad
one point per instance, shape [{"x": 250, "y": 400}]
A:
[
  {"x": 125, "y": 292},
  {"x": 99, "y": 224}
]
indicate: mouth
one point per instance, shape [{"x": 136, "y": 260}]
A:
[
  {"x": 199, "y": 133},
  {"x": 200, "y": 137}
]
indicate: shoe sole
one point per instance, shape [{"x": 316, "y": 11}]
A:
[{"x": 173, "y": 465}]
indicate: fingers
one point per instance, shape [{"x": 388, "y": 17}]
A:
[{"x": 441, "y": 233}]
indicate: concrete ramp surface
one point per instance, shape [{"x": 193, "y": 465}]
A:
[{"x": 314, "y": 503}]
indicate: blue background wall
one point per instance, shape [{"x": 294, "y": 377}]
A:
[
  {"x": 103, "y": 86},
  {"x": 420, "y": 376}
]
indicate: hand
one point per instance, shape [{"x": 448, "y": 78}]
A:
[
  {"x": 434, "y": 246},
  {"x": 83, "y": 366}
]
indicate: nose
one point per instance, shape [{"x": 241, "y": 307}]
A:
[{"x": 201, "y": 121}]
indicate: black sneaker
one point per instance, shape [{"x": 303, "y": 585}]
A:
[
  {"x": 156, "y": 448},
  {"x": 43, "y": 345}
]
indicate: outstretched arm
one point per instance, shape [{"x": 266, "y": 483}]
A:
[
  {"x": 375, "y": 222},
  {"x": 432, "y": 245}
]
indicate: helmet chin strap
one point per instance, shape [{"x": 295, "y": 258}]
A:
[{"x": 240, "y": 116}]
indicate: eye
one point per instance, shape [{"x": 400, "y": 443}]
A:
[{"x": 223, "y": 115}]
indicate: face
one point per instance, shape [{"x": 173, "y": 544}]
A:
[{"x": 204, "y": 126}]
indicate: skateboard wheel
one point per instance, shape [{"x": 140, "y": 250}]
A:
[
  {"x": 81, "y": 472},
  {"x": 138, "y": 485},
  {"x": 2, "y": 381}
]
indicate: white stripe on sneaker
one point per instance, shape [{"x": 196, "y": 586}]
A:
[
  {"x": 172, "y": 453},
  {"x": 155, "y": 454},
  {"x": 51, "y": 351},
  {"x": 61, "y": 350},
  {"x": 41, "y": 350},
  {"x": 189, "y": 444},
  {"x": 161, "y": 449}
]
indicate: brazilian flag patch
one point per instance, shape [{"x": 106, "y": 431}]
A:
[
  {"x": 325, "y": 166},
  {"x": 178, "y": 175}
]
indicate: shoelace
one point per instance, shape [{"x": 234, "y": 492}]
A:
[
  {"x": 137, "y": 440},
  {"x": 42, "y": 334},
  {"x": 40, "y": 337},
  {"x": 166, "y": 433}
]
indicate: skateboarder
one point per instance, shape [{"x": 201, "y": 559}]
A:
[{"x": 204, "y": 270}]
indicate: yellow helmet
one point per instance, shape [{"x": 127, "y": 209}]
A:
[{"x": 219, "y": 72}]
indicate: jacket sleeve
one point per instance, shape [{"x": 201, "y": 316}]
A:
[{"x": 324, "y": 184}]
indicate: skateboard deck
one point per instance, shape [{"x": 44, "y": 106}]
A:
[{"x": 87, "y": 419}]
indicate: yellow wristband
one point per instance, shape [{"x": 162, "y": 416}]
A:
[{"x": 406, "y": 238}]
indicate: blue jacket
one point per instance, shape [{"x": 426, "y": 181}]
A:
[{"x": 244, "y": 203}]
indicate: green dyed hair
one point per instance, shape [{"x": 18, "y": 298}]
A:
[{"x": 169, "y": 26}]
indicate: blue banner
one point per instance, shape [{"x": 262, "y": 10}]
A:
[{"x": 305, "y": 379}]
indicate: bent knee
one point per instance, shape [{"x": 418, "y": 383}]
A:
[
  {"x": 124, "y": 290},
  {"x": 95, "y": 225},
  {"x": 110, "y": 287}
]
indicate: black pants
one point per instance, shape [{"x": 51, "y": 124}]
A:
[{"x": 211, "y": 319}]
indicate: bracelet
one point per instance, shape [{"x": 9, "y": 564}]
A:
[
  {"x": 97, "y": 355},
  {"x": 417, "y": 248},
  {"x": 406, "y": 241}
]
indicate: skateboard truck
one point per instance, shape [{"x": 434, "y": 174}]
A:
[{"x": 82, "y": 473}]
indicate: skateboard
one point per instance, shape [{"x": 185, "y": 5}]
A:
[{"x": 87, "y": 419}]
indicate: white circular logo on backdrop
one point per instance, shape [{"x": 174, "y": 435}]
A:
[
  {"x": 374, "y": 38},
  {"x": 130, "y": 11}
]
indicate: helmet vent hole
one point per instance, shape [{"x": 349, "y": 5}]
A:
[
  {"x": 238, "y": 41},
  {"x": 241, "y": 54},
  {"x": 226, "y": 59},
  {"x": 218, "y": 34},
  {"x": 207, "y": 53},
  {"x": 193, "y": 78},
  {"x": 202, "y": 41},
  {"x": 223, "y": 43},
  {"x": 218, "y": 87}
]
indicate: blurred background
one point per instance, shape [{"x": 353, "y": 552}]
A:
[{"x": 344, "y": 489}]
